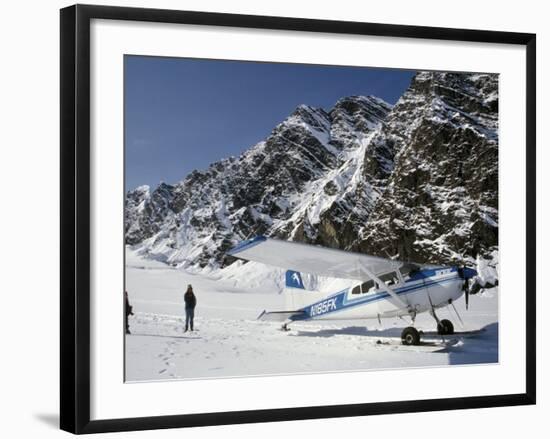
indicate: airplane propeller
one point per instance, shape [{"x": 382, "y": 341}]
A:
[{"x": 466, "y": 274}]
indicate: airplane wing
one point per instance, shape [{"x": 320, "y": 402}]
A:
[{"x": 313, "y": 259}]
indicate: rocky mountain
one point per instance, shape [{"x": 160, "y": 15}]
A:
[
  {"x": 278, "y": 187},
  {"x": 417, "y": 181},
  {"x": 441, "y": 198}
]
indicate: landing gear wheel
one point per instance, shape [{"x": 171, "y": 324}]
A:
[
  {"x": 445, "y": 327},
  {"x": 410, "y": 336}
]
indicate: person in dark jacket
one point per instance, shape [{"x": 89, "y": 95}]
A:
[
  {"x": 190, "y": 303},
  {"x": 127, "y": 311}
]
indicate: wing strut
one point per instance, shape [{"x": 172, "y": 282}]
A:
[{"x": 383, "y": 285}]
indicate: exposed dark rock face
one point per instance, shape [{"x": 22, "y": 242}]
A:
[
  {"x": 145, "y": 212},
  {"x": 418, "y": 181},
  {"x": 441, "y": 200}
]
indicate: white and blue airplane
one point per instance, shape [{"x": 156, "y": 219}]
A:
[{"x": 382, "y": 288}]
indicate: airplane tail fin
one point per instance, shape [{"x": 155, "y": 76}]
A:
[
  {"x": 293, "y": 279},
  {"x": 296, "y": 295}
]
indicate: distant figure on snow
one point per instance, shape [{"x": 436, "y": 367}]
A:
[
  {"x": 190, "y": 303},
  {"x": 127, "y": 311}
]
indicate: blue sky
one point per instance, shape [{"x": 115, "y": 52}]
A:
[{"x": 183, "y": 114}]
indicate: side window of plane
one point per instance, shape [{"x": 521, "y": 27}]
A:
[
  {"x": 405, "y": 272},
  {"x": 368, "y": 287},
  {"x": 356, "y": 290},
  {"x": 389, "y": 278},
  {"x": 408, "y": 271}
]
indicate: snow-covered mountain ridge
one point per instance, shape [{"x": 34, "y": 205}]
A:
[{"x": 416, "y": 181}]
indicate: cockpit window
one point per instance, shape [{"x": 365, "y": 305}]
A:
[
  {"x": 408, "y": 271},
  {"x": 389, "y": 278},
  {"x": 356, "y": 290}
]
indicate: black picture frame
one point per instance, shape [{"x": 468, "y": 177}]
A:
[{"x": 75, "y": 218}]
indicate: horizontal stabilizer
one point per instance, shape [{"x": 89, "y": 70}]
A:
[{"x": 279, "y": 316}]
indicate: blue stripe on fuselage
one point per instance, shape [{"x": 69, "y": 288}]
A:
[
  {"x": 429, "y": 272},
  {"x": 338, "y": 301}
]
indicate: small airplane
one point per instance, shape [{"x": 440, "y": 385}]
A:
[{"x": 383, "y": 287}]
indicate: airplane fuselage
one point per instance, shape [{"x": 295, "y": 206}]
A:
[{"x": 421, "y": 290}]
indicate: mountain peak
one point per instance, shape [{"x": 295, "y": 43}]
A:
[
  {"x": 143, "y": 189},
  {"x": 353, "y": 117},
  {"x": 362, "y": 100},
  {"x": 306, "y": 114}
]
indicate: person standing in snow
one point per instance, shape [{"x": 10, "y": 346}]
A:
[
  {"x": 127, "y": 311},
  {"x": 190, "y": 303}
]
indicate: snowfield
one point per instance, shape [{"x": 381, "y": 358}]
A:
[{"x": 229, "y": 341}]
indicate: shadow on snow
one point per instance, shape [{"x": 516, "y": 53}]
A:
[{"x": 475, "y": 348}]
